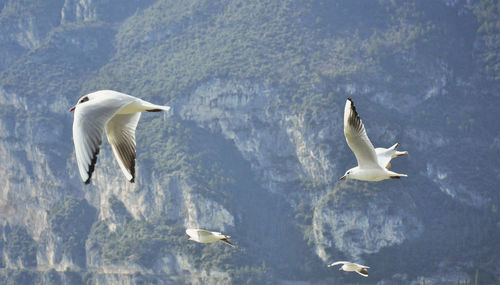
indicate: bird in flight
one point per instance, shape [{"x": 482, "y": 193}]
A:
[
  {"x": 349, "y": 266},
  {"x": 373, "y": 164},
  {"x": 117, "y": 114},
  {"x": 204, "y": 236}
]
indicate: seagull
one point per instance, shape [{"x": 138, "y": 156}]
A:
[
  {"x": 203, "y": 236},
  {"x": 118, "y": 114},
  {"x": 349, "y": 266},
  {"x": 373, "y": 164}
]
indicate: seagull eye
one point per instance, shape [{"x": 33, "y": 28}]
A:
[{"x": 84, "y": 99}]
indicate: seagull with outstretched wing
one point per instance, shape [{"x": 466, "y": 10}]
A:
[
  {"x": 112, "y": 112},
  {"x": 354, "y": 267},
  {"x": 204, "y": 236},
  {"x": 373, "y": 164}
]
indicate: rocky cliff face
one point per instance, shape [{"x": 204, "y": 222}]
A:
[{"x": 238, "y": 155}]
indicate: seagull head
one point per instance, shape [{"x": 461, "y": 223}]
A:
[
  {"x": 352, "y": 173},
  {"x": 82, "y": 100},
  {"x": 347, "y": 174}
]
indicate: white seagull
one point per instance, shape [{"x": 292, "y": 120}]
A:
[
  {"x": 203, "y": 236},
  {"x": 118, "y": 114},
  {"x": 373, "y": 164},
  {"x": 349, "y": 266}
]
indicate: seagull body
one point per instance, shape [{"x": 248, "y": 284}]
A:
[
  {"x": 118, "y": 115},
  {"x": 349, "y": 266},
  {"x": 373, "y": 164},
  {"x": 204, "y": 236}
]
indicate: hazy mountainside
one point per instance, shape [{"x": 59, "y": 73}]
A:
[{"x": 254, "y": 146}]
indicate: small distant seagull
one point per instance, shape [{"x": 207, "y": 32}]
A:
[
  {"x": 203, "y": 236},
  {"x": 349, "y": 266},
  {"x": 118, "y": 114},
  {"x": 373, "y": 164}
]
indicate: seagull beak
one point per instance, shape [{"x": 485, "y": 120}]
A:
[
  {"x": 72, "y": 109},
  {"x": 342, "y": 178}
]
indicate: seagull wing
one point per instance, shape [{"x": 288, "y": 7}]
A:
[
  {"x": 120, "y": 131},
  {"x": 193, "y": 233},
  {"x": 383, "y": 157},
  {"x": 205, "y": 233},
  {"x": 357, "y": 139},
  {"x": 88, "y": 126},
  {"x": 362, "y": 272},
  {"x": 337, "y": 263},
  {"x": 361, "y": 266}
]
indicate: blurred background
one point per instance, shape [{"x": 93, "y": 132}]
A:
[{"x": 254, "y": 146}]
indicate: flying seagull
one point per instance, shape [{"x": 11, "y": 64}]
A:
[
  {"x": 118, "y": 114},
  {"x": 349, "y": 266},
  {"x": 373, "y": 164},
  {"x": 203, "y": 236}
]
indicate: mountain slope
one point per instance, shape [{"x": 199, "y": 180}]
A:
[{"x": 255, "y": 145}]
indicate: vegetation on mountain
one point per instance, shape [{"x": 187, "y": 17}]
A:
[
  {"x": 19, "y": 245},
  {"x": 308, "y": 53},
  {"x": 71, "y": 220}
]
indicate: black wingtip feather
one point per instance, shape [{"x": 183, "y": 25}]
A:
[
  {"x": 92, "y": 165},
  {"x": 132, "y": 170},
  {"x": 353, "y": 107},
  {"x": 354, "y": 120},
  {"x": 228, "y": 242},
  {"x": 364, "y": 271}
]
